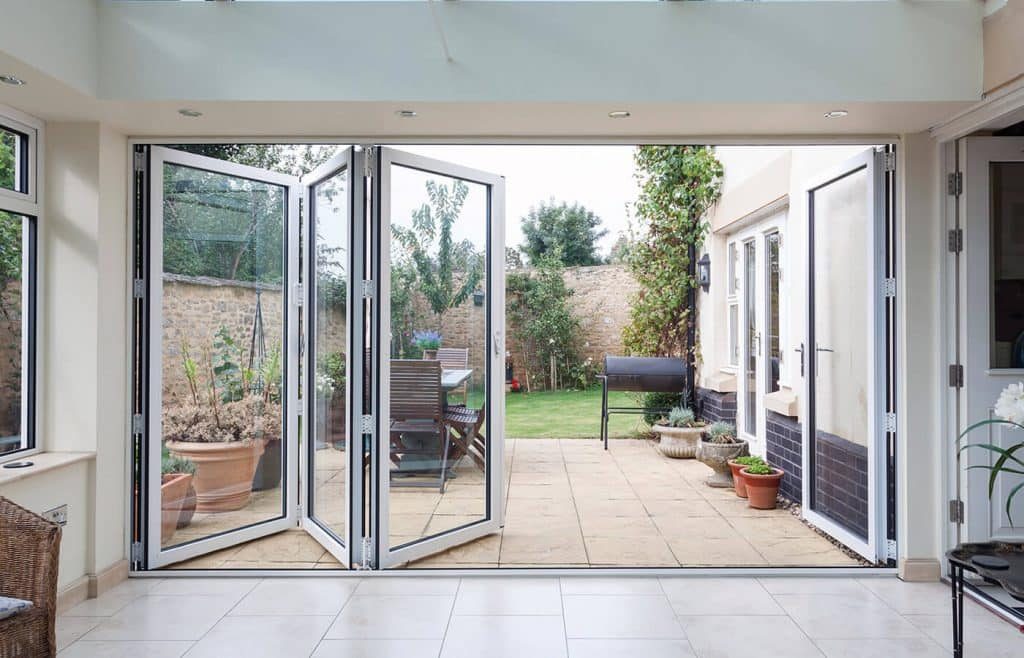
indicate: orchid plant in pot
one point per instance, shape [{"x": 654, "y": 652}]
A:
[{"x": 1008, "y": 460}]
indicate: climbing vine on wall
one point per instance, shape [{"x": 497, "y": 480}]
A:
[{"x": 678, "y": 185}]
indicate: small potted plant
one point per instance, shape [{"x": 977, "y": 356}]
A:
[
  {"x": 679, "y": 434},
  {"x": 737, "y": 465},
  {"x": 762, "y": 481},
  {"x": 717, "y": 447},
  {"x": 175, "y": 486},
  {"x": 428, "y": 341}
]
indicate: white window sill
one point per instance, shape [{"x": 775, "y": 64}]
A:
[{"x": 42, "y": 462}]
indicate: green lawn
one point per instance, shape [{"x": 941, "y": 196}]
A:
[{"x": 567, "y": 415}]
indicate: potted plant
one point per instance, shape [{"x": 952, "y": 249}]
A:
[
  {"x": 679, "y": 434},
  {"x": 737, "y": 465},
  {"x": 222, "y": 428},
  {"x": 428, "y": 341},
  {"x": 331, "y": 386},
  {"x": 267, "y": 383},
  {"x": 717, "y": 447},
  {"x": 175, "y": 485},
  {"x": 762, "y": 481}
]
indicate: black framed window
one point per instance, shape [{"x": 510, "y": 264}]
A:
[{"x": 18, "y": 216}]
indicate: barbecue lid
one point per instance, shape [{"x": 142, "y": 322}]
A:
[{"x": 661, "y": 366}]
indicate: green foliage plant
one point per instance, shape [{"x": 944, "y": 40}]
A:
[
  {"x": 678, "y": 186},
  {"x": 568, "y": 232},
  {"x": 721, "y": 432},
  {"x": 749, "y": 460},
  {"x": 759, "y": 469},
  {"x": 175, "y": 464},
  {"x": 682, "y": 417},
  {"x": 658, "y": 402}
]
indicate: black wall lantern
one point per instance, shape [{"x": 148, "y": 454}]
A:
[
  {"x": 478, "y": 297},
  {"x": 704, "y": 272}
]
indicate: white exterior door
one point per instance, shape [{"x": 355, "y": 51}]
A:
[{"x": 991, "y": 321}]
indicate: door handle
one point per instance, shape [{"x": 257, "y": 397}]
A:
[
  {"x": 824, "y": 349},
  {"x": 801, "y": 351},
  {"x": 497, "y": 343}
]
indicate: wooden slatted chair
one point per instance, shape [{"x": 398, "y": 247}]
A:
[
  {"x": 464, "y": 425},
  {"x": 417, "y": 413},
  {"x": 456, "y": 358}
]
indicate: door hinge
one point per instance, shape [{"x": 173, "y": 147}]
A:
[
  {"x": 890, "y": 422},
  {"x": 956, "y": 375},
  {"x": 369, "y": 160},
  {"x": 137, "y": 553},
  {"x": 366, "y": 424},
  {"x": 956, "y": 511},
  {"x": 138, "y": 288},
  {"x": 889, "y": 287},
  {"x": 367, "y": 289},
  {"x": 955, "y": 183},
  {"x": 367, "y": 563},
  {"x": 955, "y": 240},
  {"x": 890, "y": 549},
  {"x": 139, "y": 161},
  {"x": 889, "y": 161},
  {"x": 138, "y": 424}
]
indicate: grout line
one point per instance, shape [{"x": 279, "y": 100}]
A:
[
  {"x": 451, "y": 615},
  {"x": 565, "y": 631}
]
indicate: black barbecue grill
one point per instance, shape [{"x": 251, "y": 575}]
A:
[{"x": 647, "y": 374}]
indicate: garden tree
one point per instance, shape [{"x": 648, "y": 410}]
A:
[
  {"x": 513, "y": 259},
  {"x": 619, "y": 254},
  {"x": 571, "y": 231},
  {"x": 447, "y": 272},
  {"x": 10, "y": 226},
  {"x": 547, "y": 332},
  {"x": 678, "y": 185},
  {"x": 403, "y": 311},
  {"x": 224, "y": 227}
]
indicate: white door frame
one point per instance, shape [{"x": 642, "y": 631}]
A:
[
  {"x": 157, "y": 557},
  {"x": 388, "y": 556},
  {"x": 874, "y": 547}
]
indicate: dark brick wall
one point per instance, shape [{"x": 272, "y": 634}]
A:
[
  {"x": 785, "y": 450},
  {"x": 713, "y": 406},
  {"x": 841, "y": 482}
]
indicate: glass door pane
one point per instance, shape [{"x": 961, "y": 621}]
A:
[
  {"x": 844, "y": 344},
  {"x": 773, "y": 347},
  {"x": 751, "y": 335},
  {"x": 442, "y": 290},
  {"x": 328, "y": 438},
  {"x": 222, "y": 371}
]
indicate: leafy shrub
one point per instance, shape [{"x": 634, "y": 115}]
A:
[
  {"x": 174, "y": 464},
  {"x": 749, "y": 460},
  {"x": 426, "y": 340},
  {"x": 721, "y": 432},
  {"x": 760, "y": 469},
  {"x": 659, "y": 401}
]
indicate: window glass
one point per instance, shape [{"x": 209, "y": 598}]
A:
[
  {"x": 733, "y": 257},
  {"x": 14, "y": 294},
  {"x": 772, "y": 345},
  {"x": 1007, "y": 344},
  {"x": 734, "y": 327},
  {"x": 12, "y": 160}
]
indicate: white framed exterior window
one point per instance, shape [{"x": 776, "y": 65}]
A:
[
  {"x": 19, "y": 214},
  {"x": 732, "y": 301}
]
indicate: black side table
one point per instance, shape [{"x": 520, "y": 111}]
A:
[{"x": 996, "y": 562}]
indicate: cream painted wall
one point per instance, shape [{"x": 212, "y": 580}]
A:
[
  {"x": 83, "y": 360},
  {"x": 57, "y": 37},
  {"x": 1003, "y": 34}
]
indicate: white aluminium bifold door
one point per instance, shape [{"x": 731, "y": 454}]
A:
[
  {"x": 222, "y": 236},
  {"x": 332, "y": 460},
  {"x": 844, "y": 430},
  {"x": 440, "y": 370}
]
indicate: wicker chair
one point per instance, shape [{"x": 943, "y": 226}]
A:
[{"x": 29, "y": 551}]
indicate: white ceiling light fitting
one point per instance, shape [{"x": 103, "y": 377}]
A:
[
  {"x": 12, "y": 80},
  {"x": 405, "y": 114},
  {"x": 619, "y": 114},
  {"x": 836, "y": 114},
  {"x": 189, "y": 112}
]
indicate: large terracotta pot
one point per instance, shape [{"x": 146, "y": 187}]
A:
[
  {"x": 678, "y": 442},
  {"x": 224, "y": 472},
  {"x": 173, "y": 490},
  {"x": 716, "y": 456},
  {"x": 737, "y": 478},
  {"x": 268, "y": 470},
  {"x": 188, "y": 507},
  {"x": 762, "y": 490},
  {"x": 336, "y": 419}
]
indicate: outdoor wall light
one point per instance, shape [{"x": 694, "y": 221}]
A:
[
  {"x": 189, "y": 112},
  {"x": 704, "y": 272},
  {"x": 478, "y": 297},
  {"x": 836, "y": 114},
  {"x": 406, "y": 114},
  {"x": 14, "y": 81},
  {"x": 619, "y": 114}
]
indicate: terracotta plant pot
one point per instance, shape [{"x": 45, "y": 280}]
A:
[
  {"x": 173, "y": 490},
  {"x": 678, "y": 442},
  {"x": 268, "y": 470},
  {"x": 716, "y": 456},
  {"x": 224, "y": 472},
  {"x": 762, "y": 490},
  {"x": 188, "y": 507},
  {"x": 737, "y": 478}
]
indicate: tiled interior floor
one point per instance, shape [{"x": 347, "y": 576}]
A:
[
  {"x": 571, "y": 503},
  {"x": 540, "y": 617}
]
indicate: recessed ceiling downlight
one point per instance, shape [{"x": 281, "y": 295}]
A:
[
  {"x": 836, "y": 114},
  {"x": 619, "y": 114},
  {"x": 12, "y": 80},
  {"x": 405, "y": 114},
  {"x": 189, "y": 112}
]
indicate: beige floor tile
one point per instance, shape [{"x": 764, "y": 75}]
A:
[
  {"x": 290, "y": 546},
  {"x": 594, "y": 507},
  {"x": 773, "y": 526},
  {"x": 540, "y": 491},
  {"x": 618, "y": 526},
  {"x": 475, "y": 506},
  {"x": 682, "y": 527},
  {"x": 650, "y": 551},
  {"x": 479, "y": 552},
  {"x": 698, "y": 552},
  {"x": 542, "y": 547},
  {"x": 529, "y": 508},
  {"x": 673, "y": 508},
  {"x": 730, "y": 507},
  {"x": 816, "y": 551},
  {"x": 439, "y": 524},
  {"x": 412, "y": 525},
  {"x": 265, "y": 564}
]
